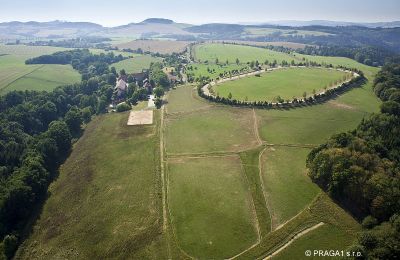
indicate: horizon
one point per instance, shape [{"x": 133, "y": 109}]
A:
[{"x": 223, "y": 11}]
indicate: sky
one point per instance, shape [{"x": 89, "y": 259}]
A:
[{"x": 112, "y": 13}]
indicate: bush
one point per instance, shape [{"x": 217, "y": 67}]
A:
[{"x": 123, "y": 107}]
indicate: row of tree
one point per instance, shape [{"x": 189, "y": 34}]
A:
[
  {"x": 280, "y": 102},
  {"x": 361, "y": 170},
  {"x": 36, "y": 132}
]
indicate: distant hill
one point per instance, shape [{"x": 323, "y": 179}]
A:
[
  {"x": 158, "y": 20},
  {"x": 334, "y": 23}
]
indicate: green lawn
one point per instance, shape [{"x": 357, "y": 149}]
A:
[
  {"x": 211, "y": 207},
  {"x": 15, "y": 75},
  {"x": 213, "y": 130},
  {"x": 135, "y": 64},
  {"x": 288, "y": 187},
  {"x": 286, "y": 83},
  {"x": 211, "y": 51},
  {"x": 106, "y": 202},
  {"x": 326, "y": 237}
]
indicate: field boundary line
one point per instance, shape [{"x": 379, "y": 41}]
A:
[
  {"x": 257, "y": 134},
  {"x": 263, "y": 187},
  {"x": 26, "y": 74},
  {"x": 297, "y": 236}
]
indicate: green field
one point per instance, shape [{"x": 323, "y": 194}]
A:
[
  {"x": 135, "y": 64},
  {"x": 212, "y": 70},
  {"x": 213, "y": 130},
  {"x": 285, "y": 177},
  {"x": 286, "y": 83},
  {"x": 184, "y": 99},
  {"x": 210, "y": 51},
  {"x": 105, "y": 202},
  {"x": 326, "y": 237},
  {"x": 257, "y": 32},
  {"x": 211, "y": 207},
  {"x": 15, "y": 75}
]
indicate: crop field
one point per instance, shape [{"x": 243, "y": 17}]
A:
[
  {"x": 160, "y": 46},
  {"x": 15, "y": 75},
  {"x": 229, "y": 52},
  {"x": 291, "y": 45},
  {"x": 207, "y": 230},
  {"x": 286, "y": 83},
  {"x": 135, "y": 64},
  {"x": 116, "y": 187}
]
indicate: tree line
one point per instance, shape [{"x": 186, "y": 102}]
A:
[
  {"x": 360, "y": 169},
  {"x": 36, "y": 133},
  {"x": 285, "y": 104}
]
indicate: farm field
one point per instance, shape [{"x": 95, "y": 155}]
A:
[
  {"x": 135, "y": 64},
  {"x": 184, "y": 99},
  {"x": 291, "y": 45},
  {"x": 214, "y": 230},
  {"x": 286, "y": 83},
  {"x": 229, "y": 52},
  {"x": 116, "y": 186},
  {"x": 15, "y": 75},
  {"x": 160, "y": 46}
]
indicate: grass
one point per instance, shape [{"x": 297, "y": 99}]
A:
[
  {"x": 210, "y": 207},
  {"x": 184, "y": 99},
  {"x": 211, "y": 51},
  {"x": 106, "y": 202},
  {"x": 160, "y": 46},
  {"x": 326, "y": 237},
  {"x": 285, "y": 178},
  {"x": 15, "y": 75},
  {"x": 212, "y": 70},
  {"x": 135, "y": 64},
  {"x": 286, "y": 83},
  {"x": 213, "y": 130},
  {"x": 257, "y": 32}
]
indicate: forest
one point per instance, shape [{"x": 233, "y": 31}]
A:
[{"x": 360, "y": 169}]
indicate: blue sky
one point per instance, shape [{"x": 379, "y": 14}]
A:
[{"x": 111, "y": 13}]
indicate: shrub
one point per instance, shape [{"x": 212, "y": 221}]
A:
[{"x": 123, "y": 107}]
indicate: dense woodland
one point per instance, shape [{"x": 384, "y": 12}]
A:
[{"x": 361, "y": 170}]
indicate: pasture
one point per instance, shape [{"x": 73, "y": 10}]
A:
[
  {"x": 286, "y": 83},
  {"x": 212, "y": 70},
  {"x": 184, "y": 99},
  {"x": 105, "y": 202},
  {"x": 285, "y": 177},
  {"x": 212, "y": 130},
  {"x": 210, "y": 206},
  {"x": 15, "y": 75},
  {"x": 138, "y": 63},
  {"x": 229, "y": 52}
]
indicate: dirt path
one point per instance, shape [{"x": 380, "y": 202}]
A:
[
  {"x": 259, "y": 141},
  {"x": 162, "y": 169},
  {"x": 272, "y": 216},
  {"x": 297, "y": 236}
]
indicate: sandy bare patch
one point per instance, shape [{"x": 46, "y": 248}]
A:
[
  {"x": 144, "y": 117},
  {"x": 340, "y": 105}
]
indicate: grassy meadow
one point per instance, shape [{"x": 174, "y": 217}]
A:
[
  {"x": 229, "y": 52},
  {"x": 15, "y": 75},
  {"x": 106, "y": 201},
  {"x": 286, "y": 83},
  {"x": 135, "y": 64},
  {"x": 212, "y": 130},
  {"x": 212, "y": 70},
  {"x": 210, "y": 206}
]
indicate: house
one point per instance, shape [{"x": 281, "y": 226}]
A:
[
  {"x": 121, "y": 87},
  {"x": 147, "y": 85}
]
